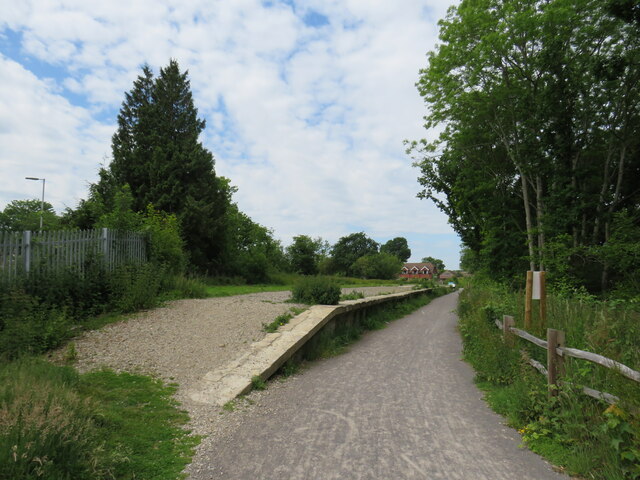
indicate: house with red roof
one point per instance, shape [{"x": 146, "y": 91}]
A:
[{"x": 418, "y": 270}]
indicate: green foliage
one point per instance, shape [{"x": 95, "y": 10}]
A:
[
  {"x": 397, "y": 247},
  {"x": 316, "y": 290},
  {"x": 156, "y": 153},
  {"x": 352, "y": 296},
  {"x": 20, "y": 215},
  {"x": 166, "y": 247},
  {"x": 571, "y": 430},
  {"x": 349, "y": 249},
  {"x": 305, "y": 253},
  {"x": 439, "y": 264},
  {"x": 282, "y": 319},
  {"x": 537, "y": 152},
  {"x": 378, "y": 265},
  {"x": 256, "y": 255},
  {"x": 257, "y": 383},
  {"x": 40, "y": 312},
  {"x": 49, "y": 430}
]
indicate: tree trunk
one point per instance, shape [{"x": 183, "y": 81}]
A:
[
  {"x": 603, "y": 191},
  {"x": 539, "y": 221},
  {"x": 527, "y": 215}
]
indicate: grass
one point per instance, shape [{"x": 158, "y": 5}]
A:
[
  {"x": 582, "y": 435},
  {"x": 282, "y": 319},
  {"x": 229, "y": 290},
  {"x": 351, "y": 296},
  {"x": 58, "y": 424}
]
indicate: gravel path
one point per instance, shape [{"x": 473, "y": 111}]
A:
[
  {"x": 400, "y": 404},
  {"x": 184, "y": 340}
]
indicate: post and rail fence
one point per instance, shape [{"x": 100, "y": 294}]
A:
[
  {"x": 22, "y": 253},
  {"x": 556, "y": 353}
]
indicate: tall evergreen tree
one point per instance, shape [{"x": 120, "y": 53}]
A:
[{"x": 156, "y": 152}]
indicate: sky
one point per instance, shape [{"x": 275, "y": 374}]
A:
[{"x": 306, "y": 103}]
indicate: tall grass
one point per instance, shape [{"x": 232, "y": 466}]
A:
[
  {"x": 58, "y": 425},
  {"x": 584, "y": 435}
]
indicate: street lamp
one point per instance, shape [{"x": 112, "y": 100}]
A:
[{"x": 42, "y": 201}]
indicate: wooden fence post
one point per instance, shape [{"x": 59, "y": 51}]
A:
[
  {"x": 26, "y": 250},
  {"x": 527, "y": 300},
  {"x": 507, "y": 323},
  {"x": 555, "y": 365}
]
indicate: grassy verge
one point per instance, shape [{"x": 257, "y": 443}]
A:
[
  {"x": 584, "y": 436},
  {"x": 58, "y": 424}
]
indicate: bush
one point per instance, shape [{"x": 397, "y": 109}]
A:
[
  {"x": 377, "y": 265},
  {"x": 316, "y": 290}
]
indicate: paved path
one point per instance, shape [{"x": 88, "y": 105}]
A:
[{"x": 399, "y": 405}]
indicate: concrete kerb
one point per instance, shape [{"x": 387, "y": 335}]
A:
[{"x": 269, "y": 354}]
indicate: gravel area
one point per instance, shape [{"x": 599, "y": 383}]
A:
[{"x": 185, "y": 339}]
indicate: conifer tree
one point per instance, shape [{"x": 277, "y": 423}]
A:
[{"x": 156, "y": 152}]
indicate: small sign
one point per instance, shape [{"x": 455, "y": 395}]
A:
[{"x": 536, "y": 287}]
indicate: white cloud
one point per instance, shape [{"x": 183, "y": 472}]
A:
[
  {"x": 313, "y": 119},
  {"x": 43, "y": 135}
]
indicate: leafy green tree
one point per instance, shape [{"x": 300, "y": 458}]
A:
[
  {"x": 378, "y": 265},
  {"x": 537, "y": 103},
  {"x": 20, "y": 215},
  {"x": 305, "y": 253},
  {"x": 256, "y": 253},
  {"x": 397, "y": 246},
  {"x": 157, "y": 153},
  {"x": 439, "y": 264},
  {"x": 350, "y": 248}
]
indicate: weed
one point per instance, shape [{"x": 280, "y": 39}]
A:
[
  {"x": 282, "y": 319},
  {"x": 70, "y": 354},
  {"x": 257, "y": 383},
  {"x": 229, "y": 406},
  {"x": 352, "y": 296}
]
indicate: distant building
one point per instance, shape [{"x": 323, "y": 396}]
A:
[
  {"x": 446, "y": 275},
  {"x": 418, "y": 270}
]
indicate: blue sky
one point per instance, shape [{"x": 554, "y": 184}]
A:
[{"x": 307, "y": 104}]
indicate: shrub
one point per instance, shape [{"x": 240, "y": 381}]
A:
[
  {"x": 377, "y": 265},
  {"x": 316, "y": 290}
]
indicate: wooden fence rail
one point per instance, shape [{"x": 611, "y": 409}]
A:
[
  {"x": 554, "y": 368},
  {"x": 51, "y": 251}
]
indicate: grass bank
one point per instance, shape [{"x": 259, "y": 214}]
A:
[
  {"x": 584, "y": 436},
  {"x": 58, "y": 424}
]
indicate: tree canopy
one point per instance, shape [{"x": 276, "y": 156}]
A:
[
  {"x": 538, "y": 107},
  {"x": 439, "y": 264},
  {"x": 397, "y": 246},
  {"x": 20, "y": 215},
  {"x": 350, "y": 248}
]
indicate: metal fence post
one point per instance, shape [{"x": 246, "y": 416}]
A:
[
  {"x": 26, "y": 250},
  {"x": 105, "y": 246}
]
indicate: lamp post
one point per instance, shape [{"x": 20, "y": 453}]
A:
[{"x": 42, "y": 201}]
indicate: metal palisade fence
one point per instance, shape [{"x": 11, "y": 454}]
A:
[{"x": 51, "y": 251}]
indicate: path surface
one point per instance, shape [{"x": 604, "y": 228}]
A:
[
  {"x": 399, "y": 405},
  {"x": 185, "y": 339}
]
